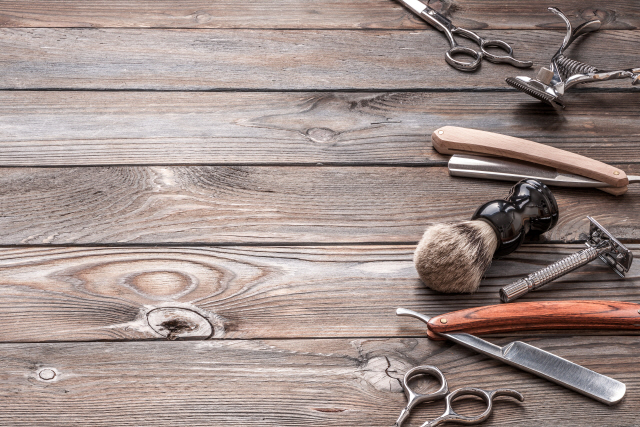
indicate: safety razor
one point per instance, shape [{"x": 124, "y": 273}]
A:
[
  {"x": 600, "y": 244},
  {"x": 551, "y": 83}
]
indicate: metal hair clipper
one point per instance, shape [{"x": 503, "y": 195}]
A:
[
  {"x": 601, "y": 244},
  {"x": 552, "y": 82}
]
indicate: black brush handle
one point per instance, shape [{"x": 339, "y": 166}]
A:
[{"x": 529, "y": 209}]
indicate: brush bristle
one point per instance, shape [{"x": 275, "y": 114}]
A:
[
  {"x": 533, "y": 91},
  {"x": 453, "y": 258}
]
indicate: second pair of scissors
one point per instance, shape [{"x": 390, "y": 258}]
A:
[
  {"x": 443, "y": 24},
  {"x": 414, "y": 398}
]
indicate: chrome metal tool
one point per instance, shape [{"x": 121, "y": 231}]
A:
[
  {"x": 600, "y": 244},
  {"x": 503, "y": 169},
  {"x": 538, "y": 362},
  {"x": 444, "y": 24},
  {"x": 414, "y": 398},
  {"x": 551, "y": 83}
]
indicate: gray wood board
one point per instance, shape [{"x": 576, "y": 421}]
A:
[
  {"x": 160, "y": 59},
  {"x": 116, "y": 128},
  {"x": 334, "y": 382},
  {"x": 259, "y": 204},
  {"x": 327, "y": 14},
  {"x": 136, "y": 293}
]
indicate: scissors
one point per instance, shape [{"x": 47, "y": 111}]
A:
[
  {"x": 414, "y": 398},
  {"x": 443, "y": 24}
]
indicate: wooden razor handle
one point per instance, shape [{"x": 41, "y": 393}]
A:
[
  {"x": 456, "y": 140},
  {"x": 536, "y": 316}
]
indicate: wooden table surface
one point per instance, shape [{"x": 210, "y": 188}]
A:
[{"x": 209, "y": 208}]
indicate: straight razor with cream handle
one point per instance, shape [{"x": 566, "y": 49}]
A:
[
  {"x": 536, "y": 361},
  {"x": 456, "y": 140},
  {"x": 503, "y": 169}
]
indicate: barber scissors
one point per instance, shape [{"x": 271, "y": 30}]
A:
[
  {"x": 414, "y": 398},
  {"x": 443, "y": 24}
]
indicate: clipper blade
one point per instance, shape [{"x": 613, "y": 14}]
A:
[{"x": 536, "y": 89}]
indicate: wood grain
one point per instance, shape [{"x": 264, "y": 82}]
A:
[
  {"x": 333, "y": 382},
  {"x": 225, "y": 205},
  {"x": 206, "y": 131},
  {"x": 116, "y": 128},
  {"x": 326, "y": 14},
  {"x": 155, "y": 59},
  {"x": 142, "y": 293}
]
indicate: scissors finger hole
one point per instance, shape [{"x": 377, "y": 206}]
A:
[
  {"x": 424, "y": 383},
  {"x": 463, "y": 52},
  {"x": 497, "y": 51},
  {"x": 497, "y": 47},
  {"x": 469, "y": 405}
]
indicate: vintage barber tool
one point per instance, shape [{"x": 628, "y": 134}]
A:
[
  {"x": 442, "y": 23},
  {"x": 450, "y": 415},
  {"x": 453, "y": 257},
  {"x": 456, "y": 140},
  {"x": 539, "y": 316},
  {"x": 514, "y": 170},
  {"x": 527, "y": 357},
  {"x": 551, "y": 83},
  {"x": 600, "y": 244}
]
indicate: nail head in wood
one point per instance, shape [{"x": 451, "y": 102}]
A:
[
  {"x": 443, "y": 320},
  {"x": 47, "y": 374}
]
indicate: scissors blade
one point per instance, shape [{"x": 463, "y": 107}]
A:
[
  {"x": 416, "y": 6},
  {"x": 541, "y": 363}
]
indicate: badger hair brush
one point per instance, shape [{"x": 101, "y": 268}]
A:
[{"x": 453, "y": 257}]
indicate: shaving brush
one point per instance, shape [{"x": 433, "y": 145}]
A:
[{"x": 453, "y": 257}]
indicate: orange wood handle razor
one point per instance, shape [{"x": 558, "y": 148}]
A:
[{"x": 537, "y": 316}]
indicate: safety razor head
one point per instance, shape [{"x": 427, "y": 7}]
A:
[
  {"x": 537, "y": 89},
  {"x": 616, "y": 255}
]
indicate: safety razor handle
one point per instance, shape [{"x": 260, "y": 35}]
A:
[
  {"x": 548, "y": 274},
  {"x": 457, "y": 140},
  {"x": 537, "y": 316}
]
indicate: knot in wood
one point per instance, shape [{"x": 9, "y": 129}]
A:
[
  {"x": 321, "y": 134},
  {"x": 175, "y": 322}
]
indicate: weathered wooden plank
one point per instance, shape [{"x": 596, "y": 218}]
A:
[
  {"x": 134, "y": 293},
  {"x": 291, "y": 382},
  {"x": 275, "y": 60},
  {"x": 216, "y": 205},
  {"x": 326, "y": 14},
  {"x": 117, "y": 128}
]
